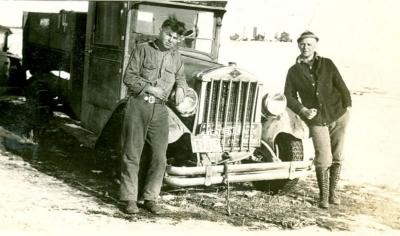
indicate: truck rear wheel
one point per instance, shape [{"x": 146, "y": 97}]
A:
[
  {"x": 290, "y": 149},
  {"x": 108, "y": 147}
]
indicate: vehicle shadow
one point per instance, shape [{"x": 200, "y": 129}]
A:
[
  {"x": 54, "y": 152},
  {"x": 58, "y": 154}
]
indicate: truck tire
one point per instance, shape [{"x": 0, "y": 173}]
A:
[
  {"x": 290, "y": 149},
  {"x": 39, "y": 104}
]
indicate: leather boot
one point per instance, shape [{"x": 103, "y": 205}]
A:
[
  {"x": 153, "y": 207},
  {"x": 131, "y": 207},
  {"x": 323, "y": 185},
  {"x": 334, "y": 178}
]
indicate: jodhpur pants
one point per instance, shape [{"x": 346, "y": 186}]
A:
[
  {"x": 328, "y": 142},
  {"x": 143, "y": 122}
]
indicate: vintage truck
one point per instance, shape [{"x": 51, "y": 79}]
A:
[{"x": 233, "y": 133}]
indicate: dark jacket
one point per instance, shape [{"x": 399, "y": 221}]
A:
[{"x": 318, "y": 86}]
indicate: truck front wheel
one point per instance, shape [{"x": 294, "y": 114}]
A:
[{"x": 290, "y": 149}]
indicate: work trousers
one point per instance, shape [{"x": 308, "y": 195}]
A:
[
  {"x": 329, "y": 141},
  {"x": 143, "y": 122}
]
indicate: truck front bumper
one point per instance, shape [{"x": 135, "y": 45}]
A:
[{"x": 234, "y": 173}]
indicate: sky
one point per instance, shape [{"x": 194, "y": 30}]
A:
[
  {"x": 11, "y": 11},
  {"x": 355, "y": 18},
  {"x": 267, "y": 15},
  {"x": 363, "y": 34}
]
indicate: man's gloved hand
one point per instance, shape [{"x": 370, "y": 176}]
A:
[
  {"x": 179, "y": 96},
  {"x": 308, "y": 113}
]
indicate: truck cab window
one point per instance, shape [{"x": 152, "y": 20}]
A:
[
  {"x": 149, "y": 19},
  {"x": 203, "y": 32}
]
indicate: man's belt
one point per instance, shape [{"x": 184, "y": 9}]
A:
[{"x": 152, "y": 99}]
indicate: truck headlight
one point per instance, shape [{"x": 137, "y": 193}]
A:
[{"x": 273, "y": 104}]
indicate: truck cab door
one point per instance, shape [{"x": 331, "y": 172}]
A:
[{"x": 104, "y": 51}]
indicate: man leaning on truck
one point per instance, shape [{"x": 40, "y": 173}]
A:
[{"x": 154, "y": 70}]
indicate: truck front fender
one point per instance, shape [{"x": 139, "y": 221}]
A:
[
  {"x": 288, "y": 122},
  {"x": 176, "y": 127},
  {"x": 112, "y": 130}
]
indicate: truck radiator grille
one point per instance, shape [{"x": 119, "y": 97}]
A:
[{"x": 230, "y": 113}]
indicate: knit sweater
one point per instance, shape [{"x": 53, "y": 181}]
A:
[{"x": 319, "y": 86}]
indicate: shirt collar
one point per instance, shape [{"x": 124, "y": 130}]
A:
[
  {"x": 154, "y": 45},
  {"x": 301, "y": 60}
]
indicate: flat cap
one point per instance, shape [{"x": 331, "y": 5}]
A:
[{"x": 307, "y": 34}]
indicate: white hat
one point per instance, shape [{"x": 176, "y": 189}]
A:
[{"x": 189, "y": 104}]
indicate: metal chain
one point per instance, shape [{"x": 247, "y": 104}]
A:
[{"x": 227, "y": 196}]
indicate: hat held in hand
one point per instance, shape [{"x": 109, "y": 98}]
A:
[{"x": 188, "y": 106}]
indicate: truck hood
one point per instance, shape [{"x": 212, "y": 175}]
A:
[
  {"x": 230, "y": 72},
  {"x": 201, "y": 68},
  {"x": 195, "y": 65}
]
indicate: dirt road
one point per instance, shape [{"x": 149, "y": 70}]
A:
[{"x": 58, "y": 190}]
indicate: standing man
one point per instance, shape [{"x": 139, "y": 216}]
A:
[
  {"x": 154, "y": 69},
  {"x": 316, "y": 91}
]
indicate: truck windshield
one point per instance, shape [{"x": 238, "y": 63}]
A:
[{"x": 199, "y": 25}]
